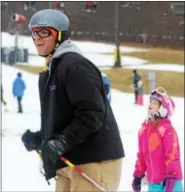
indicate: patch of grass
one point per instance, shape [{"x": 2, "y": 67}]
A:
[
  {"x": 159, "y": 56},
  {"x": 173, "y": 82},
  {"x": 146, "y": 46},
  {"x": 121, "y": 79},
  {"x": 30, "y": 69}
]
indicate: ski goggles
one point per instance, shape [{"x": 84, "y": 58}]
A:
[
  {"x": 159, "y": 92},
  {"x": 43, "y": 33}
]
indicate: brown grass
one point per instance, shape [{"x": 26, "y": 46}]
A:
[
  {"x": 121, "y": 79},
  {"x": 173, "y": 82},
  {"x": 160, "y": 56},
  {"x": 30, "y": 69},
  {"x": 139, "y": 45}
]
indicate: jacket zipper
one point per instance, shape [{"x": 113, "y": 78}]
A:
[
  {"x": 45, "y": 88},
  {"x": 44, "y": 141},
  {"x": 150, "y": 159}
]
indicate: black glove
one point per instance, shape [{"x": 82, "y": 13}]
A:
[
  {"x": 136, "y": 184},
  {"x": 54, "y": 148},
  {"x": 169, "y": 182},
  {"x": 31, "y": 140}
]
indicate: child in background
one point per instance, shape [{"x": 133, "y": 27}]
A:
[
  {"x": 140, "y": 90},
  {"x": 159, "y": 150}
]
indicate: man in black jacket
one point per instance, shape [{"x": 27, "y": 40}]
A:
[{"x": 76, "y": 119}]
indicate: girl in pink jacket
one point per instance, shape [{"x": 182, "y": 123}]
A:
[{"x": 159, "y": 151}]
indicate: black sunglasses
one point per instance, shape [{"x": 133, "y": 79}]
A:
[{"x": 43, "y": 33}]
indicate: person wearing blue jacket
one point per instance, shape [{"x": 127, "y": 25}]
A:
[
  {"x": 18, "y": 90},
  {"x": 107, "y": 86}
]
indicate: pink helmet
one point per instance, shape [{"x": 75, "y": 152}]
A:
[{"x": 167, "y": 104}]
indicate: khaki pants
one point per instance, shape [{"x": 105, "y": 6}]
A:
[{"x": 106, "y": 173}]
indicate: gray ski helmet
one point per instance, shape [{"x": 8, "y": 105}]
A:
[{"x": 49, "y": 18}]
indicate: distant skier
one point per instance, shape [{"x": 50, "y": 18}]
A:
[
  {"x": 136, "y": 79},
  {"x": 159, "y": 150},
  {"x": 18, "y": 89},
  {"x": 107, "y": 86}
]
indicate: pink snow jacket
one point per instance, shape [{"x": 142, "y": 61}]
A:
[{"x": 159, "y": 152}]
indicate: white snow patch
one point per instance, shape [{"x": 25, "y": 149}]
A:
[{"x": 20, "y": 169}]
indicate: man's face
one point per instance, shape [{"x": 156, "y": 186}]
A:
[{"x": 44, "y": 40}]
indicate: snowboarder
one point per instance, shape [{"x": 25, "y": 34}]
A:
[
  {"x": 74, "y": 111},
  {"x": 18, "y": 89},
  {"x": 159, "y": 153}
]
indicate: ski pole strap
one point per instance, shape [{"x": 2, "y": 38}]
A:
[{"x": 80, "y": 172}]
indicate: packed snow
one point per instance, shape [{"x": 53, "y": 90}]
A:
[
  {"x": 98, "y": 59},
  {"x": 93, "y": 51},
  {"x": 159, "y": 67},
  {"x": 86, "y": 47},
  {"x": 21, "y": 169}
]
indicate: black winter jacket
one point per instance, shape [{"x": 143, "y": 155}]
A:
[
  {"x": 136, "y": 79},
  {"x": 74, "y": 104}
]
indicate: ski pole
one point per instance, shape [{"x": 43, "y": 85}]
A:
[{"x": 80, "y": 172}]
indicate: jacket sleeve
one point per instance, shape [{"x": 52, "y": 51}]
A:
[
  {"x": 83, "y": 86},
  {"x": 172, "y": 151},
  {"x": 140, "y": 166}
]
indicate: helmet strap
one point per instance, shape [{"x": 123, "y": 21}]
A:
[
  {"x": 57, "y": 43},
  {"x": 46, "y": 67},
  {"x": 58, "y": 40},
  {"x": 61, "y": 37}
]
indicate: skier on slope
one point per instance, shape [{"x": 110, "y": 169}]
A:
[
  {"x": 76, "y": 119},
  {"x": 18, "y": 89},
  {"x": 159, "y": 150}
]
